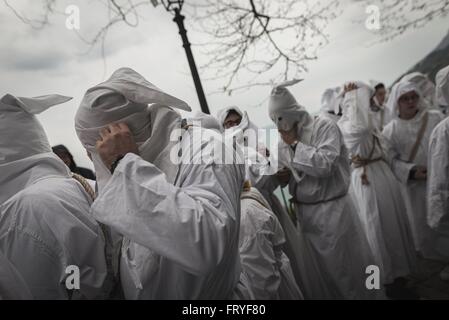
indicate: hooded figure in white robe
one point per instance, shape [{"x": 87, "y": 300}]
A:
[
  {"x": 330, "y": 104},
  {"x": 425, "y": 87},
  {"x": 261, "y": 167},
  {"x": 45, "y": 224},
  {"x": 261, "y": 241},
  {"x": 380, "y": 203},
  {"x": 338, "y": 250},
  {"x": 179, "y": 215},
  {"x": 442, "y": 90},
  {"x": 409, "y": 141},
  {"x": 261, "y": 244},
  {"x": 245, "y": 123},
  {"x": 12, "y": 285}
]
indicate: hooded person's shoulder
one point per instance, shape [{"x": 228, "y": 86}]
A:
[
  {"x": 86, "y": 173},
  {"x": 442, "y": 129},
  {"x": 325, "y": 124},
  {"x": 435, "y": 115}
]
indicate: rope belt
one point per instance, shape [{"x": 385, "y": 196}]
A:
[
  {"x": 359, "y": 162},
  {"x": 85, "y": 185},
  {"x": 293, "y": 201}
]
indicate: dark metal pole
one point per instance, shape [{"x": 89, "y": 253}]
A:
[{"x": 179, "y": 19}]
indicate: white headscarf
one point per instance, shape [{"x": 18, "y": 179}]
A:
[
  {"x": 25, "y": 154},
  {"x": 245, "y": 123},
  {"x": 424, "y": 85},
  {"x": 442, "y": 87},
  {"x": 125, "y": 97},
  {"x": 398, "y": 90},
  {"x": 286, "y": 112}
]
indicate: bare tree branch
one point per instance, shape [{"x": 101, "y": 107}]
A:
[
  {"x": 260, "y": 37},
  {"x": 400, "y": 16}
]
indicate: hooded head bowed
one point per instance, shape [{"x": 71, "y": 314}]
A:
[
  {"x": 442, "y": 87},
  {"x": 283, "y": 108},
  {"x": 21, "y": 133},
  {"x": 124, "y": 97},
  {"x": 398, "y": 90}
]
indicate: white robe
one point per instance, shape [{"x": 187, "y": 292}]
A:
[
  {"x": 261, "y": 243},
  {"x": 438, "y": 185},
  {"x": 380, "y": 204},
  {"x": 260, "y": 170},
  {"x": 401, "y": 135},
  {"x": 12, "y": 285},
  {"x": 380, "y": 118},
  {"x": 45, "y": 226},
  {"x": 181, "y": 238},
  {"x": 333, "y": 234}
]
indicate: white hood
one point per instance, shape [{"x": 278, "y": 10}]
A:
[
  {"x": 21, "y": 133},
  {"x": 286, "y": 112},
  {"x": 25, "y": 154},
  {"x": 399, "y": 89},
  {"x": 424, "y": 85},
  {"x": 245, "y": 123},
  {"x": 125, "y": 97}
]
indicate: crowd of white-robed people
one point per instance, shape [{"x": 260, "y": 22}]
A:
[{"x": 368, "y": 179}]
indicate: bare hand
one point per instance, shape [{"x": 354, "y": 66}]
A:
[
  {"x": 116, "y": 140},
  {"x": 349, "y": 87},
  {"x": 283, "y": 176}
]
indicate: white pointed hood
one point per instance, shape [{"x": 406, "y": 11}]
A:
[
  {"x": 21, "y": 133},
  {"x": 25, "y": 154},
  {"x": 286, "y": 112},
  {"x": 125, "y": 97}
]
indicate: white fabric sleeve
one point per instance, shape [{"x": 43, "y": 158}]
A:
[
  {"x": 401, "y": 169},
  {"x": 260, "y": 264},
  {"x": 438, "y": 176},
  {"x": 191, "y": 225},
  {"x": 319, "y": 161},
  {"x": 354, "y": 123}
]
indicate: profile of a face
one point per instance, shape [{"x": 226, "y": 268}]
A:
[
  {"x": 289, "y": 136},
  {"x": 233, "y": 119},
  {"x": 408, "y": 105}
]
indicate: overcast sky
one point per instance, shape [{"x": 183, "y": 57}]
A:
[{"x": 54, "y": 60}]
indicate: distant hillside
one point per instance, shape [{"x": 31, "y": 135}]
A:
[{"x": 434, "y": 61}]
